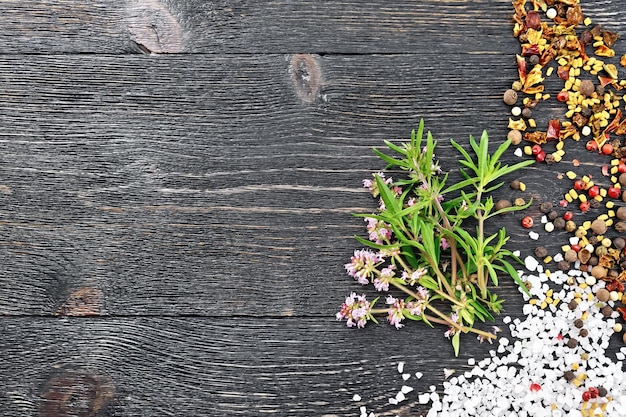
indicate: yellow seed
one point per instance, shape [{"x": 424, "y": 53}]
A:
[
  {"x": 522, "y": 186},
  {"x": 617, "y": 185},
  {"x": 573, "y": 193},
  {"x": 565, "y": 248},
  {"x": 569, "y": 114},
  {"x": 543, "y": 305},
  {"x": 598, "y": 43},
  {"x": 598, "y": 198},
  {"x": 528, "y": 150},
  {"x": 603, "y": 192},
  {"x": 590, "y": 297},
  {"x": 549, "y": 71},
  {"x": 532, "y": 123},
  {"x": 614, "y": 170},
  {"x": 532, "y": 301},
  {"x": 575, "y": 367},
  {"x": 582, "y": 198},
  {"x": 587, "y": 21},
  {"x": 546, "y": 96},
  {"x": 571, "y": 175},
  {"x": 603, "y": 217},
  {"x": 586, "y": 313},
  {"x": 549, "y": 292},
  {"x": 547, "y": 259},
  {"x": 526, "y": 101},
  {"x": 557, "y": 157},
  {"x": 587, "y": 224},
  {"x": 568, "y": 198},
  {"x": 568, "y": 84},
  {"x": 610, "y": 205},
  {"x": 556, "y": 302},
  {"x": 577, "y": 383},
  {"x": 585, "y": 67},
  {"x": 562, "y": 62},
  {"x": 614, "y": 179},
  {"x": 609, "y": 222},
  {"x": 583, "y": 285}
]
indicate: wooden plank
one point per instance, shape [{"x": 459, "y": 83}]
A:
[
  {"x": 149, "y": 185},
  {"x": 286, "y": 26},
  {"x": 210, "y": 367}
]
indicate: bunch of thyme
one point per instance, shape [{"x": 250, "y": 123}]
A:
[{"x": 419, "y": 242}]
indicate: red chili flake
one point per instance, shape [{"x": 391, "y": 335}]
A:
[
  {"x": 563, "y": 73},
  {"x": 559, "y": 336},
  {"x": 594, "y": 191},
  {"x": 592, "y": 146},
  {"x": 586, "y": 396},
  {"x": 607, "y": 149},
  {"x": 593, "y": 391},
  {"x": 568, "y": 216},
  {"x": 563, "y": 96},
  {"x": 604, "y": 81},
  {"x": 528, "y": 50},
  {"x": 622, "y": 311},
  {"x": 615, "y": 123},
  {"x": 615, "y": 285},
  {"x": 605, "y": 170},
  {"x": 576, "y": 248},
  {"x": 533, "y": 20},
  {"x": 536, "y": 149},
  {"x": 614, "y": 192},
  {"x": 521, "y": 69},
  {"x": 554, "y": 129},
  {"x": 563, "y": 203},
  {"x": 584, "y": 207},
  {"x": 527, "y": 222},
  {"x": 534, "y": 387}
]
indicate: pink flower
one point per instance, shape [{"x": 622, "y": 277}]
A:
[
  {"x": 356, "y": 310},
  {"x": 371, "y": 184},
  {"x": 452, "y": 330},
  {"x": 444, "y": 243},
  {"x": 384, "y": 278},
  {"x": 363, "y": 264},
  {"x": 413, "y": 277},
  {"x": 378, "y": 230},
  {"x": 395, "y": 314}
]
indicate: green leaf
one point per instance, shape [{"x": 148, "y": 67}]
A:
[
  {"x": 391, "y": 203},
  {"x": 513, "y": 273},
  {"x": 456, "y": 343},
  {"x": 428, "y": 282}
]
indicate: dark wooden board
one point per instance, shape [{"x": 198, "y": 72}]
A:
[
  {"x": 242, "y": 27},
  {"x": 131, "y": 177},
  {"x": 210, "y": 366},
  {"x": 173, "y": 228}
]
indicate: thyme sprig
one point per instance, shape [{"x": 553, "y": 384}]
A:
[{"x": 419, "y": 241}]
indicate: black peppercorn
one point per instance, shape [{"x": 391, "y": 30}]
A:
[
  {"x": 545, "y": 207},
  {"x": 569, "y": 375},
  {"x": 541, "y": 252},
  {"x": 572, "y": 343},
  {"x": 607, "y": 311},
  {"x": 559, "y": 223},
  {"x": 583, "y": 333},
  {"x": 572, "y": 305},
  {"x": 602, "y": 392},
  {"x": 578, "y": 323}
]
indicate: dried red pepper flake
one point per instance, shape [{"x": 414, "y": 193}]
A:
[
  {"x": 541, "y": 156},
  {"x": 609, "y": 38},
  {"x": 536, "y": 149},
  {"x": 529, "y": 50},
  {"x": 554, "y": 129},
  {"x": 533, "y": 20},
  {"x": 615, "y": 285},
  {"x": 534, "y": 387},
  {"x": 592, "y": 146},
  {"x": 622, "y": 312},
  {"x": 621, "y": 167}
]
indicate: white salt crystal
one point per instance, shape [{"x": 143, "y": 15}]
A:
[
  {"x": 406, "y": 376},
  {"x": 423, "y": 398},
  {"x": 400, "y": 397},
  {"x": 533, "y": 235},
  {"x": 406, "y": 389},
  {"x": 356, "y": 397},
  {"x": 471, "y": 361},
  {"x": 400, "y": 367},
  {"x": 518, "y": 152},
  {"x": 393, "y": 401},
  {"x": 418, "y": 375},
  {"x": 531, "y": 263}
]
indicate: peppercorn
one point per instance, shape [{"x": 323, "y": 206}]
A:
[
  {"x": 559, "y": 223},
  {"x": 570, "y": 226},
  {"x": 593, "y": 261},
  {"x": 607, "y": 310},
  {"x": 620, "y": 227},
  {"x": 572, "y": 305},
  {"x": 541, "y": 252},
  {"x": 621, "y": 213},
  {"x": 519, "y": 202},
  {"x": 619, "y": 242},
  {"x": 510, "y": 97},
  {"x": 598, "y": 227},
  {"x": 533, "y": 60},
  {"x": 552, "y": 215},
  {"x": 622, "y": 178},
  {"x": 600, "y": 90},
  {"x": 515, "y": 184},
  {"x": 586, "y": 88},
  {"x": 515, "y": 136},
  {"x": 583, "y": 333},
  {"x": 603, "y": 295},
  {"x": 579, "y": 323},
  {"x": 572, "y": 343},
  {"x": 602, "y": 392},
  {"x": 598, "y": 272},
  {"x": 545, "y": 207},
  {"x": 594, "y": 204},
  {"x": 527, "y": 222},
  {"x": 570, "y": 256},
  {"x": 563, "y": 265},
  {"x": 624, "y": 338},
  {"x": 527, "y": 113},
  {"x": 502, "y": 204}
]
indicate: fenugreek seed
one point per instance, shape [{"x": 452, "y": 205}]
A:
[
  {"x": 570, "y": 175},
  {"x": 522, "y": 186}
]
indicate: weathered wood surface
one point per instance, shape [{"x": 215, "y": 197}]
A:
[{"x": 173, "y": 228}]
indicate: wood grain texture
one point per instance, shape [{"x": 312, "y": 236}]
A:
[
  {"x": 173, "y": 226},
  {"x": 161, "y": 182},
  {"x": 286, "y": 26},
  {"x": 210, "y": 367}
]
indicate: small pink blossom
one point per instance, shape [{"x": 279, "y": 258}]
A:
[
  {"x": 384, "y": 278},
  {"x": 452, "y": 330},
  {"x": 444, "y": 243},
  {"x": 378, "y": 230},
  {"x": 395, "y": 314},
  {"x": 371, "y": 185},
  {"x": 413, "y": 277},
  {"x": 362, "y": 264},
  {"x": 355, "y": 310}
]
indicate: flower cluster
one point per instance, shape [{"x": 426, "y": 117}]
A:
[{"x": 417, "y": 247}]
